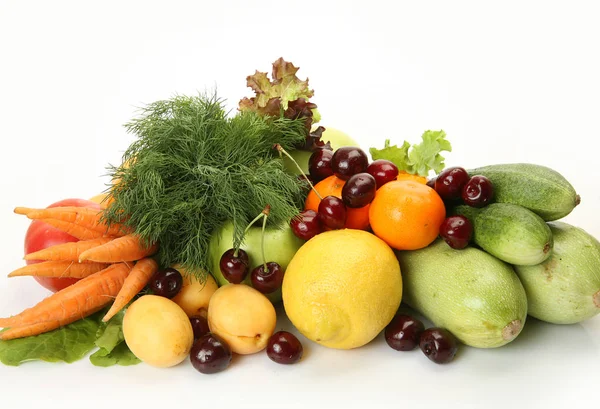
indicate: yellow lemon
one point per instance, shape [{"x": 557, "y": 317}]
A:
[{"x": 342, "y": 288}]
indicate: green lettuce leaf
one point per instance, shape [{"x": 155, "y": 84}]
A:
[
  {"x": 68, "y": 344},
  {"x": 119, "y": 355},
  {"x": 111, "y": 343},
  {"x": 417, "y": 159}
]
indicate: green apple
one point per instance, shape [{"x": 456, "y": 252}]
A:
[
  {"x": 337, "y": 139},
  {"x": 280, "y": 246}
]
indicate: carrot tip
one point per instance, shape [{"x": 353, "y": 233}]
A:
[{"x": 23, "y": 210}]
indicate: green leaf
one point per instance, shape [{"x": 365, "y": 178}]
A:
[
  {"x": 418, "y": 159},
  {"x": 112, "y": 347},
  {"x": 68, "y": 344},
  {"x": 395, "y": 154},
  {"x": 119, "y": 355}
]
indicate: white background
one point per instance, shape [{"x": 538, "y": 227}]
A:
[{"x": 508, "y": 82}]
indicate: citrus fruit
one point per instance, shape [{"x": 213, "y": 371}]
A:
[
  {"x": 408, "y": 176},
  {"x": 357, "y": 218},
  {"x": 406, "y": 214},
  {"x": 342, "y": 288}
]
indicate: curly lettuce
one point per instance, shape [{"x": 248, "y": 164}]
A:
[{"x": 417, "y": 159}]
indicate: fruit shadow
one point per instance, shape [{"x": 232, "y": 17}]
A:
[{"x": 537, "y": 341}]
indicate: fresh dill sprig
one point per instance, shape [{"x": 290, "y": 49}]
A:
[{"x": 193, "y": 167}]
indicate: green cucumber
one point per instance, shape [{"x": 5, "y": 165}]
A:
[
  {"x": 565, "y": 289},
  {"x": 509, "y": 232},
  {"x": 469, "y": 292},
  {"x": 538, "y": 188}
]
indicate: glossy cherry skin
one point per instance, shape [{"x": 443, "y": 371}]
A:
[
  {"x": 166, "y": 282},
  {"x": 450, "y": 182},
  {"x": 269, "y": 280},
  {"x": 332, "y": 212},
  {"x": 478, "y": 191},
  {"x": 359, "y": 190},
  {"x": 210, "y": 354},
  {"x": 403, "y": 332},
  {"x": 383, "y": 171},
  {"x": 348, "y": 161},
  {"x": 456, "y": 231},
  {"x": 234, "y": 267},
  {"x": 306, "y": 225},
  {"x": 439, "y": 345},
  {"x": 319, "y": 164},
  {"x": 284, "y": 348},
  {"x": 199, "y": 326}
]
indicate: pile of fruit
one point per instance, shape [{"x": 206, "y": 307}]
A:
[{"x": 211, "y": 222}]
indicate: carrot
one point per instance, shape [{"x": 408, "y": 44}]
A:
[
  {"x": 78, "y": 232},
  {"x": 80, "y": 216},
  {"x": 77, "y": 300},
  {"x": 59, "y": 269},
  {"x": 41, "y": 327},
  {"x": 137, "y": 279},
  {"x": 70, "y": 251},
  {"x": 126, "y": 248}
]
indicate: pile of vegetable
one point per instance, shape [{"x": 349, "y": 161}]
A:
[{"x": 213, "y": 219}]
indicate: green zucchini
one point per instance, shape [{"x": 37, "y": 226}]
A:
[
  {"x": 565, "y": 289},
  {"x": 509, "y": 232},
  {"x": 538, "y": 188},
  {"x": 469, "y": 292}
]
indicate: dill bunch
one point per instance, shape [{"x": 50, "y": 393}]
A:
[{"x": 192, "y": 168}]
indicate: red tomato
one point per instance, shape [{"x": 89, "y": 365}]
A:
[{"x": 41, "y": 235}]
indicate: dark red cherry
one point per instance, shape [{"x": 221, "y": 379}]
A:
[
  {"x": 439, "y": 345},
  {"x": 450, "y": 182},
  {"x": 359, "y": 190},
  {"x": 478, "y": 192},
  {"x": 234, "y": 266},
  {"x": 284, "y": 348},
  {"x": 166, "y": 282},
  {"x": 383, "y": 171},
  {"x": 267, "y": 280},
  {"x": 319, "y": 164},
  {"x": 348, "y": 161},
  {"x": 456, "y": 231},
  {"x": 403, "y": 332},
  {"x": 306, "y": 225},
  {"x": 210, "y": 354},
  {"x": 332, "y": 212},
  {"x": 199, "y": 326}
]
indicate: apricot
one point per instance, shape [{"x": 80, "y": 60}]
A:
[
  {"x": 194, "y": 295},
  {"x": 243, "y": 317}
]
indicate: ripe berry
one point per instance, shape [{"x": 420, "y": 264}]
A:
[
  {"x": 450, "y": 182},
  {"x": 456, "y": 231},
  {"x": 478, "y": 191}
]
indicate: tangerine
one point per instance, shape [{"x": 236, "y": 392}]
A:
[
  {"x": 357, "y": 218},
  {"x": 406, "y": 214},
  {"x": 407, "y": 176}
]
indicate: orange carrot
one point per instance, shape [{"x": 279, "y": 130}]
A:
[
  {"x": 77, "y": 300},
  {"x": 41, "y": 327},
  {"x": 59, "y": 269},
  {"x": 126, "y": 248},
  {"x": 80, "y": 216},
  {"x": 78, "y": 232},
  {"x": 137, "y": 279},
  {"x": 70, "y": 251}
]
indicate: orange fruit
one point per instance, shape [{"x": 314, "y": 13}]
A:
[
  {"x": 406, "y": 214},
  {"x": 408, "y": 176},
  {"x": 332, "y": 186}
]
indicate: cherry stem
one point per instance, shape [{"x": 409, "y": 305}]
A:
[
  {"x": 264, "y": 212},
  {"x": 281, "y": 150}
]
